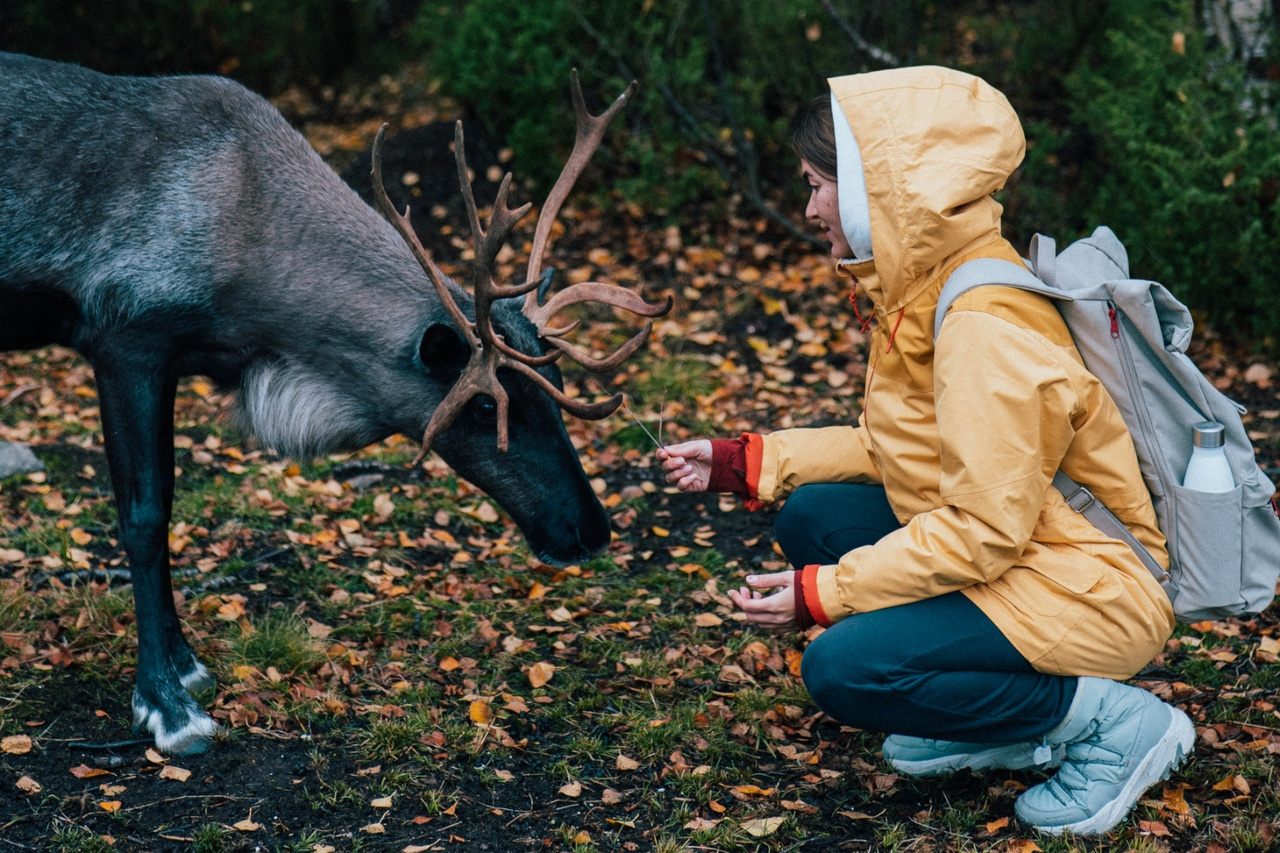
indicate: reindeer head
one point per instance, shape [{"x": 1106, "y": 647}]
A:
[{"x": 488, "y": 349}]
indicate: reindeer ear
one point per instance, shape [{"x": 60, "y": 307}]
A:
[{"x": 443, "y": 352}]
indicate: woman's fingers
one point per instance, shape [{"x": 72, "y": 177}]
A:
[{"x": 771, "y": 580}]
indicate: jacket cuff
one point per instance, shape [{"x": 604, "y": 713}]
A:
[
  {"x": 754, "y": 447},
  {"x": 804, "y": 619},
  {"x": 807, "y": 583},
  {"x": 728, "y": 467}
]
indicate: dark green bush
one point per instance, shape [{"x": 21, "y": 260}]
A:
[
  {"x": 1188, "y": 168},
  {"x": 266, "y": 44},
  {"x": 717, "y": 83}
]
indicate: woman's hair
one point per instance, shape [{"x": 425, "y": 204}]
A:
[{"x": 813, "y": 136}]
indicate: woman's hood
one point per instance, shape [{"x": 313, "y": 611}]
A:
[{"x": 934, "y": 144}]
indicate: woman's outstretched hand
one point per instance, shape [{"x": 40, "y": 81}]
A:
[
  {"x": 688, "y": 465},
  {"x": 776, "y": 612}
]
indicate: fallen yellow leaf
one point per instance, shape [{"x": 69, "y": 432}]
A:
[
  {"x": 481, "y": 713},
  {"x": 111, "y": 806},
  {"x": 754, "y": 791},
  {"x": 540, "y": 673},
  {"x": 247, "y": 825},
  {"x": 707, "y": 620}
]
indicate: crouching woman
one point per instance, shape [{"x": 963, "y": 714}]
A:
[{"x": 970, "y": 613}]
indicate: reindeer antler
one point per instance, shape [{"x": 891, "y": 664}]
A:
[{"x": 488, "y": 350}]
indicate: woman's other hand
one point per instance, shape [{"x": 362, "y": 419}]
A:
[
  {"x": 688, "y": 465},
  {"x": 775, "y": 612}
]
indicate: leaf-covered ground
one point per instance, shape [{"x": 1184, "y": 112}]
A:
[{"x": 397, "y": 673}]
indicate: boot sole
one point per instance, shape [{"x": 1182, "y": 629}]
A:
[
  {"x": 1161, "y": 760},
  {"x": 1015, "y": 757}
]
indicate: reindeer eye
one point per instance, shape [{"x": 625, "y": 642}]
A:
[{"x": 485, "y": 408}]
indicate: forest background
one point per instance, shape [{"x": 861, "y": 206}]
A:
[{"x": 1156, "y": 117}]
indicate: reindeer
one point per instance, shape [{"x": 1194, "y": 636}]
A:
[{"x": 168, "y": 227}]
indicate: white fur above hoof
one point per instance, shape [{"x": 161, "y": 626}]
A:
[
  {"x": 199, "y": 680},
  {"x": 192, "y": 738}
]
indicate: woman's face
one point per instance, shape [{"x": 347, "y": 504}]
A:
[{"x": 824, "y": 208}]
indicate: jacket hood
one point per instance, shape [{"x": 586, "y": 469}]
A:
[{"x": 934, "y": 144}]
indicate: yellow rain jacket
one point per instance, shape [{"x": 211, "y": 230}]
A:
[{"x": 966, "y": 435}]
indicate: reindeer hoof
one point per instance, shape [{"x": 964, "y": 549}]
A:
[{"x": 182, "y": 730}]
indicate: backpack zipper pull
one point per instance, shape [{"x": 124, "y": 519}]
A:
[{"x": 1115, "y": 321}]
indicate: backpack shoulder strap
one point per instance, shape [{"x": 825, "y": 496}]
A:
[
  {"x": 983, "y": 271},
  {"x": 1082, "y": 501}
]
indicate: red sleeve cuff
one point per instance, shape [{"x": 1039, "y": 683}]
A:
[
  {"x": 804, "y": 619},
  {"x": 808, "y": 581},
  {"x": 728, "y": 467}
]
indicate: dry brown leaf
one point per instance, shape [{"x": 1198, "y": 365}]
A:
[
  {"x": 762, "y": 827},
  {"x": 1154, "y": 827},
  {"x": 373, "y": 828},
  {"x": 625, "y": 763},
  {"x": 247, "y": 825},
  {"x": 572, "y": 789},
  {"x": 85, "y": 772},
  {"x": 381, "y": 803},
  {"x": 110, "y": 806},
  {"x": 31, "y": 786},
  {"x": 177, "y": 774},
  {"x": 707, "y": 620},
  {"x": 16, "y": 744}
]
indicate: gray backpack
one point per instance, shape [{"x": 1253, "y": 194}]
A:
[{"x": 1132, "y": 334}]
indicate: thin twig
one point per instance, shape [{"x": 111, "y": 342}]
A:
[
  {"x": 880, "y": 55},
  {"x": 18, "y": 392},
  {"x": 657, "y": 443}
]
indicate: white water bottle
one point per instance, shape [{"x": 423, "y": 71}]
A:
[{"x": 1208, "y": 470}]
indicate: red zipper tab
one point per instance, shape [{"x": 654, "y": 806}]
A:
[{"x": 1115, "y": 320}]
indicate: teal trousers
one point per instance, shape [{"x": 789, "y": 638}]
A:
[{"x": 936, "y": 668}]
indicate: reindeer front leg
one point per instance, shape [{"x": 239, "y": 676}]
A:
[{"x": 136, "y": 399}]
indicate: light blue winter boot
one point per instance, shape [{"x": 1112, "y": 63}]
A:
[
  {"x": 1120, "y": 740},
  {"x": 917, "y": 756}
]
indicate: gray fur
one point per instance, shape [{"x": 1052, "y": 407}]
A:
[{"x": 165, "y": 227}]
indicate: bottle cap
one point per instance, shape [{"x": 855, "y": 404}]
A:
[{"x": 1209, "y": 434}]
